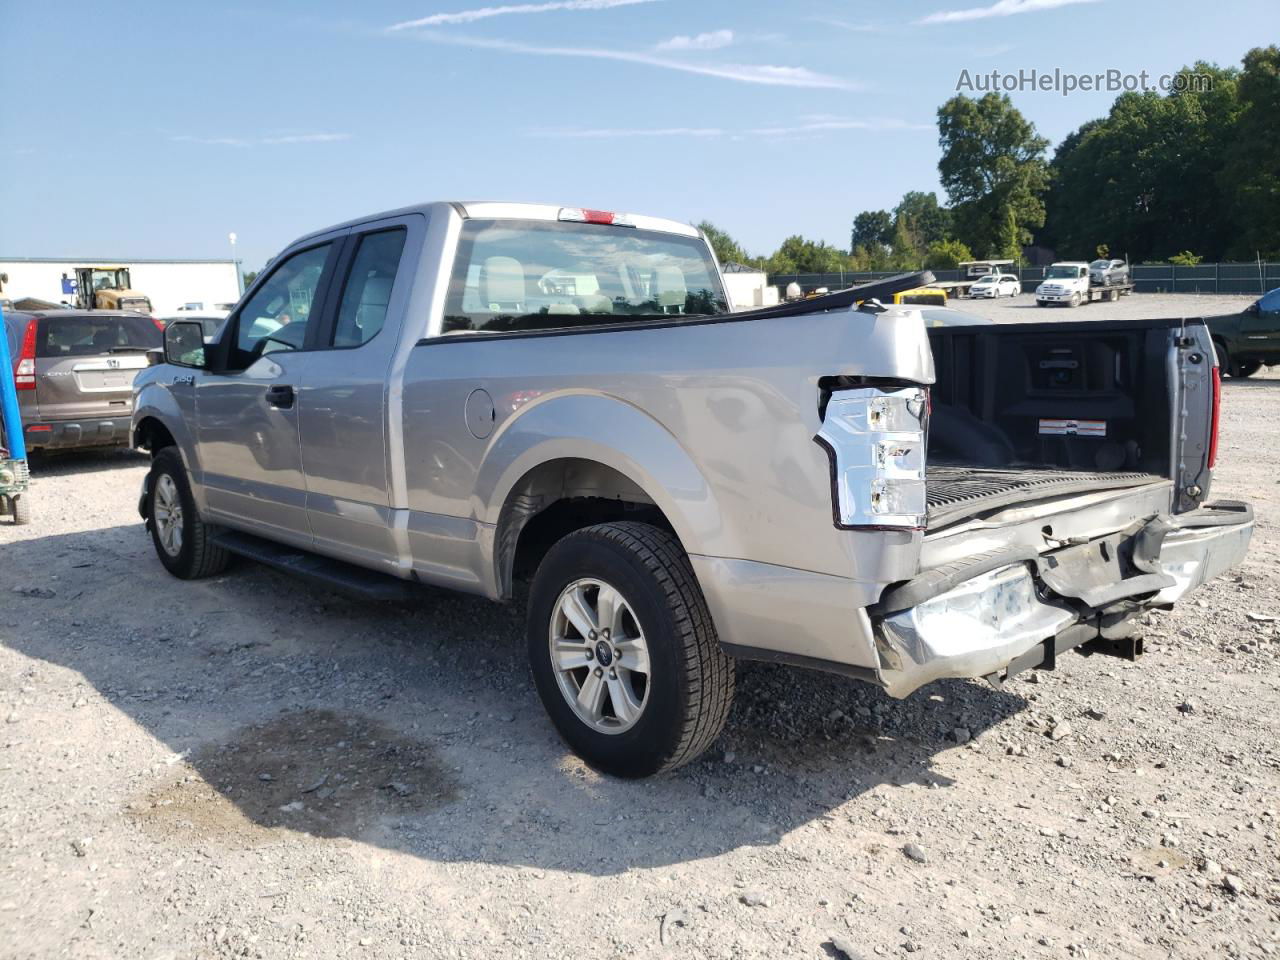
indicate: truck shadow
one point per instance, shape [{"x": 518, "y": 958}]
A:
[{"x": 275, "y": 707}]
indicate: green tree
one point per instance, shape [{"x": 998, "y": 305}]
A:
[
  {"x": 928, "y": 221},
  {"x": 946, "y": 255},
  {"x": 798, "y": 255},
  {"x": 1250, "y": 178},
  {"x": 249, "y": 277},
  {"x": 1146, "y": 179},
  {"x": 1185, "y": 259},
  {"x": 872, "y": 228},
  {"x": 905, "y": 252},
  {"x": 994, "y": 170},
  {"x": 727, "y": 249}
]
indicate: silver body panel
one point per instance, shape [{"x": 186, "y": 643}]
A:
[{"x": 380, "y": 461}]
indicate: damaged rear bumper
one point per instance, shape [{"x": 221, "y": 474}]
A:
[{"x": 997, "y": 613}]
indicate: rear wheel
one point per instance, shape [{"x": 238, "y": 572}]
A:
[
  {"x": 1246, "y": 368},
  {"x": 181, "y": 538},
  {"x": 623, "y": 651},
  {"x": 20, "y": 507}
]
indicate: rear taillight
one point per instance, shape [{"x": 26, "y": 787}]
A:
[
  {"x": 1215, "y": 416},
  {"x": 876, "y": 440},
  {"x": 24, "y": 374},
  {"x": 159, "y": 323}
]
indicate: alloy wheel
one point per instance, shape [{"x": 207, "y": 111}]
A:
[
  {"x": 167, "y": 515},
  {"x": 599, "y": 656}
]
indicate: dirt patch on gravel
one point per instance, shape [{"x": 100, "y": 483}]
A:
[{"x": 311, "y": 771}]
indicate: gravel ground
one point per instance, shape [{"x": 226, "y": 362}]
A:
[
  {"x": 248, "y": 767},
  {"x": 1138, "y": 306}
]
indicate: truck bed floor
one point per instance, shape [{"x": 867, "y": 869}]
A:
[{"x": 956, "y": 491}]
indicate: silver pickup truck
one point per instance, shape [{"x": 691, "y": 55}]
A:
[{"x": 471, "y": 395}]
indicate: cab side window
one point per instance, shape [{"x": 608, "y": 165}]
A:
[
  {"x": 366, "y": 294},
  {"x": 276, "y": 316}
]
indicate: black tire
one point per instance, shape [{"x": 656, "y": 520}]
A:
[
  {"x": 1246, "y": 368},
  {"x": 196, "y": 555},
  {"x": 1042, "y": 303},
  {"x": 20, "y": 507},
  {"x": 690, "y": 683}
]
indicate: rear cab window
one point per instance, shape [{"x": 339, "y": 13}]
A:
[
  {"x": 514, "y": 275},
  {"x": 88, "y": 336}
]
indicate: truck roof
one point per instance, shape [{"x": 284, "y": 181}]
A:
[{"x": 502, "y": 210}]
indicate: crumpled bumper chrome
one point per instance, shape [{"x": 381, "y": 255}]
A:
[{"x": 978, "y": 627}]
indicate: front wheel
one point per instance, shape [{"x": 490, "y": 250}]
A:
[
  {"x": 181, "y": 538},
  {"x": 1075, "y": 299},
  {"x": 623, "y": 651}
]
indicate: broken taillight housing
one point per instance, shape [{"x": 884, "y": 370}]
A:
[{"x": 876, "y": 442}]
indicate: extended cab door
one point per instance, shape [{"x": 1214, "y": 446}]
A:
[
  {"x": 347, "y": 454},
  {"x": 247, "y": 405}
]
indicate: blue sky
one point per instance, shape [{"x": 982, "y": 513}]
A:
[{"x": 151, "y": 130}]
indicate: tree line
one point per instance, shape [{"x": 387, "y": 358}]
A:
[{"x": 1180, "y": 177}]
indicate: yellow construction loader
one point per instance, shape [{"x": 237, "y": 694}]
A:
[{"x": 107, "y": 288}]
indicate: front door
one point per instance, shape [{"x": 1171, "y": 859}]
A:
[{"x": 247, "y": 411}]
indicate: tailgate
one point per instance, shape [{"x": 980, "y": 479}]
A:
[
  {"x": 86, "y": 387},
  {"x": 85, "y": 365}
]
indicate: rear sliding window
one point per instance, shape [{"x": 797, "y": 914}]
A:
[
  {"x": 527, "y": 275},
  {"x": 89, "y": 336}
]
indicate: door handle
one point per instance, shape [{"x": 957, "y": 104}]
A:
[{"x": 280, "y": 395}]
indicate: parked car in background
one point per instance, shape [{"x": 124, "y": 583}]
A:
[
  {"x": 1248, "y": 340},
  {"x": 467, "y": 395},
  {"x": 1108, "y": 273},
  {"x": 74, "y": 372},
  {"x": 205, "y": 310},
  {"x": 1066, "y": 282},
  {"x": 996, "y": 285}
]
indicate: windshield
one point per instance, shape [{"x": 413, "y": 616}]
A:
[
  {"x": 528, "y": 275},
  {"x": 1062, "y": 273},
  {"x": 1100, "y": 264}
]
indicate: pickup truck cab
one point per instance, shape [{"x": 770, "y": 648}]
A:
[
  {"x": 1066, "y": 282},
  {"x": 476, "y": 395},
  {"x": 1249, "y": 340}
]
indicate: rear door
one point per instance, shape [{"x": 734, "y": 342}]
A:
[
  {"x": 343, "y": 406},
  {"x": 85, "y": 364}
]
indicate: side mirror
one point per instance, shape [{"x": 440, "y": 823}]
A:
[
  {"x": 1253, "y": 307},
  {"x": 184, "y": 344}
]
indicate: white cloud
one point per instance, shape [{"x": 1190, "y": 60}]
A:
[
  {"x": 1001, "y": 8},
  {"x": 806, "y": 125},
  {"x": 263, "y": 141},
  {"x": 765, "y": 74},
  {"x": 714, "y": 40},
  {"x": 484, "y": 13}
]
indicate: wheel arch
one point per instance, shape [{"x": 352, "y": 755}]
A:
[{"x": 602, "y": 456}]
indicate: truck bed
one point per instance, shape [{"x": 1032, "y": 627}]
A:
[
  {"x": 956, "y": 491},
  {"x": 1029, "y": 411}
]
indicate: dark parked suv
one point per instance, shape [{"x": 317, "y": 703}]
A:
[
  {"x": 74, "y": 372},
  {"x": 1250, "y": 339}
]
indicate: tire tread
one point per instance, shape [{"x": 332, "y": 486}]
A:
[{"x": 709, "y": 669}]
